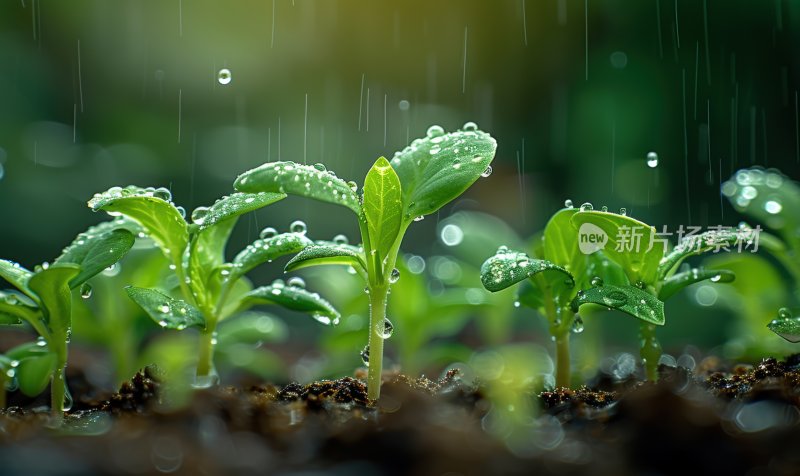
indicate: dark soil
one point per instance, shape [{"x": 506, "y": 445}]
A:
[{"x": 743, "y": 420}]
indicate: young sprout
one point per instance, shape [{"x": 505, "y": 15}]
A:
[
  {"x": 211, "y": 289},
  {"x": 773, "y": 199},
  {"x": 418, "y": 181},
  {"x": 44, "y": 300}
]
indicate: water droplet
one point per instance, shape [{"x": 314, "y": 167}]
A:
[
  {"x": 164, "y": 308},
  {"x": 587, "y": 207},
  {"x": 365, "y": 355},
  {"x": 268, "y": 233},
  {"x": 784, "y": 313},
  {"x": 206, "y": 381},
  {"x": 224, "y": 76},
  {"x": 773, "y": 207},
  {"x": 163, "y": 193},
  {"x": 470, "y": 126},
  {"x": 419, "y": 218},
  {"x": 502, "y": 249},
  {"x": 353, "y": 186},
  {"x": 568, "y": 203},
  {"x": 41, "y": 342},
  {"x": 517, "y": 304},
  {"x": 597, "y": 281},
  {"x": 715, "y": 279},
  {"x": 434, "y": 131},
  {"x": 623, "y": 211},
  {"x": 435, "y": 149},
  {"x": 388, "y": 329},
  {"x": 577, "y": 324},
  {"x": 181, "y": 211},
  {"x": 615, "y": 299},
  {"x": 296, "y": 282},
  {"x": 394, "y": 276},
  {"x": 487, "y": 172},
  {"x": 523, "y": 262},
  {"x": 199, "y": 215},
  {"x": 298, "y": 226},
  {"x": 652, "y": 160},
  {"x": 86, "y": 290},
  {"x": 320, "y": 167},
  {"x": 456, "y": 164}
]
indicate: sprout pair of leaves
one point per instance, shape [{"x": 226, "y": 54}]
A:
[
  {"x": 418, "y": 181},
  {"x": 211, "y": 288},
  {"x": 771, "y": 198},
  {"x": 44, "y": 300}
]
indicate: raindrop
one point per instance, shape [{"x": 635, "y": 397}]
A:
[
  {"x": 568, "y": 203},
  {"x": 163, "y": 193},
  {"x": 403, "y": 105},
  {"x": 296, "y": 282},
  {"x": 298, "y": 226},
  {"x": 394, "y": 276},
  {"x": 388, "y": 329},
  {"x": 597, "y": 281},
  {"x": 341, "y": 240},
  {"x": 517, "y": 304},
  {"x": 604, "y": 209},
  {"x": 623, "y": 211},
  {"x": 353, "y": 186},
  {"x": 451, "y": 235},
  {"x": 577, "y": 324},
  {"x": 487, "y": 172},
  {"x": 784, "y": 313},
  {"x": 199, "y": 215},
  {"x": 434, "y": 131},
  {"x": 320, "y": 167},
  {"x": 267, "y": 233},
  {"x": 206, "y": 381},
  {"x": 615, "y": 299},
  {"x": 224, "y": 76},
  {"x": 587, "y": 207},
  {"x": 470, "y": 126},
  {"x": 86, "y": 290},
  {"x": 365, "y": 355},
  {"x": 419, "y": 218},
  {"x": 652, "y": 160},
  {"x": 181, "y": 211}
]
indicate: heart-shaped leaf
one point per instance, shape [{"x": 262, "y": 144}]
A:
[
  {"x": 382, "y": 206},
  {"x": 695, "y": 275},
  {"x": 95, "y": 251},
  {"x": 296, "y": 299},
  {"x": 630, "y": 243},
  {"x": 712, "y": 240},
  {"x": 786, "y": 326},
  {"x": 768, "y": 196},
  {"x": 165, "y": 311},
  {"x": 16, "y": 275},
  {"x": 297, "y": 179},
  {"x": 628, "y": 299},
  {"x": 35, "y": 371},
  {"x": 233, "y": 205},
  {"x": 51, "y": 286},
  {"x": 508, "y": 267},
  {"x": 268, "y": 249},
  {"x": 327, "y": 253},
  {"x": 160, "y": 219},
  {"x": 438, "y": 168}
]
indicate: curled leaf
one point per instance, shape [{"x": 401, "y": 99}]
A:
[
  {"x": 324, "y": 252},
  {"x": 695, "y": 275},
  {"x": 628, "y": 299},
  {"x": 508, "y": 267},
  {"x": 295, "y": 299}
]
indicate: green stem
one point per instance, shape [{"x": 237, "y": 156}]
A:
[
  {"x": 205, "y": 364},
  {"x": 650, "y": 351},
  {"x": 377, "y": 313},
  {"x": 562, "y": 360},
  {"x": 58, "y": 382}
]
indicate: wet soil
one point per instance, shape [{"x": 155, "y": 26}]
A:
[{"x": 739, "y": 420}]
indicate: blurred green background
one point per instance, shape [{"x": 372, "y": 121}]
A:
[{"x": 101, "y": 93}]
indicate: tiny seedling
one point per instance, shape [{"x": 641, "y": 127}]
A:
[
  {"x": 554, "y": 277},
  {"x": 773, "y": 199},
  {"x": 210, "y": 288},
  {"x": 44, "y": 300},
  {"x": 418, "y": 181},
  {"x": 654, "y": 271}
]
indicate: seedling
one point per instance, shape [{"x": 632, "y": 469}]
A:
[
  {"x": 211, "y": 289},
  {"x": 554, "y": 278},
  {"x": 772, "y": 198},
  {"x": 418, "y": 181},
  {"x": 44, "y": 300}
]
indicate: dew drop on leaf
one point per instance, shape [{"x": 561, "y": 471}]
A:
[
  {"x": 623, "y": 211},
  {"x": 773, "y": 207},
  {"x": 86, "y": 290},
  {"x": 568, "y": 203},
  {"x": 577, "y": 324},
  {"x": 199, "y": 215},
  {"x": 181, "y": 211},
  {"x": 394, "y": 276},
  {"x": 341, "y": 240},
  {"x": 267, "y": 233},
  {"x": 487, "y": 172},
  {"x": 604, "y": 208},
  {"x": 163, "y": 193},
  {"x": 587, "y": 207},
  {"x": 296, "y": 282},
  {"x": 597, "y": 281},
  {"x": 434, "y": 131},
  {"x": 419, "y": 218},
  {"x": 298, "y": 226},
  {"x": 321, "y": 167},
  {"x": 470, "y": 126},
  {"x": 784, "y": 313}
]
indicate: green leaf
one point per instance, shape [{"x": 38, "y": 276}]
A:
[
  {"x": 560, "y": 242},
  {"x": 51, "y": 285},
  {"x": 327, "y": 253},
  {"x": 628, "y": 299},
  {"x": 768, "y": 196},
  {"x": 295, "y": 299},
  {"x": 695, "y": 275},
  {"x": 268, "y": 249},
  {"x": 16, "y": 275},
  {"x": 207, "y": 256},
  {"x": 297, "y": 179},
  {"x": 232, "y": 206},
  {"x": 95, "y": 251},
  {"x": 712, "y": 240},
  {"x": 508, "y": 267},
  {"x": 35, "y": 371},
  {"x": 160, "y": 219},
  {"x": 788, "y": 327},
  {"x": 628, "y": 242},
  {"x": 251, "y": 328},
  {"x": 438, "y": 168},
  {"x": 382, "y": 206},
  {"x": 165, "y": 311},
  {"x": 13, "y": 311}
]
